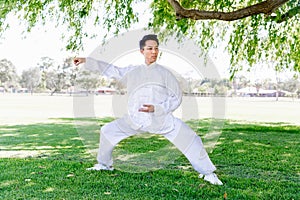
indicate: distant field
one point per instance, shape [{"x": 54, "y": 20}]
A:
[{"x": 26, "y": 108}]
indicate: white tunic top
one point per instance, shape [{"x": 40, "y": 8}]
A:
[{"x": 152, "y": 84}]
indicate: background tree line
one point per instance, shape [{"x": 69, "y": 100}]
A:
[
  {"x": 52, "y": 78},
  {"x": 49, "y": 77}
]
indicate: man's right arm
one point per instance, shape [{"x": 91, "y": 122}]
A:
[
  {"x": 92, "y": 64},
  {"x": 78, "y": 61},
  {"x": 102, "y": 67}
]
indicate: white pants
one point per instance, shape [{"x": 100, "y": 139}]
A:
[{"x": 182, "y": 136}]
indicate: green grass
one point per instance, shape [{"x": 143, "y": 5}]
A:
[{"x": 254, "y": 161}]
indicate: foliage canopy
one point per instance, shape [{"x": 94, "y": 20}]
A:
[{"x": 254, "y": 31}]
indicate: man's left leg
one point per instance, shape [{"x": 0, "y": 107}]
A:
[{"x": 190, "y": 144}]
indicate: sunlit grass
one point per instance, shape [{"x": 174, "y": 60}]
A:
[{"x": 255, "y": 161}]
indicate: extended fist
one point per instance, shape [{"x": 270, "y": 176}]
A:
[{"x": 78, "y": 61}]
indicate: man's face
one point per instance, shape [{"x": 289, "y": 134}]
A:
[{"x": 150, "y": 51}]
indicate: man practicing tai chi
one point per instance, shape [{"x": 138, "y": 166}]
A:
[{"x": 153, "y": 94}]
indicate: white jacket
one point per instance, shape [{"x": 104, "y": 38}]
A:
[{"x": 153, "y": 84}]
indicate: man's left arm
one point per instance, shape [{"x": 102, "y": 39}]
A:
[{"x": 174, "y": 97}]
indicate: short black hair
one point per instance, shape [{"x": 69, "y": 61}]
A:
[{"x": 146, "y": 38}]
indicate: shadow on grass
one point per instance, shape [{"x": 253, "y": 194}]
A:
[
  {"x": 254, "y": 160},
  {"x": 42, "y": 140}
]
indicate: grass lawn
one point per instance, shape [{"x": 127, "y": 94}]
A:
[{"x": 48, "y": 161}]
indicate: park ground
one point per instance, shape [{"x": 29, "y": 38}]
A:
[
  {"x": 26, "y": 108},
  {"x": 47, "y": 142}
]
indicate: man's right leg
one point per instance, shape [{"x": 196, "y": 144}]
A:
[{"x": 110, "y": 135}]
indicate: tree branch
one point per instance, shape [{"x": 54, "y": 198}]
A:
[{"x": 265, "y": 7}]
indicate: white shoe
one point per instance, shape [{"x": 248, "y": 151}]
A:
[
  {"x": 98, "y": 167},
  {"x": 212, "y": 178}
]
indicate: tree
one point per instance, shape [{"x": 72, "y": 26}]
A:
[
  {"x": 253, "y": 30},
  {"x": 70, "y": 73},
  {"x": 45, "y": 65},
  {"x": 242, "y": 82},
  {"x": 257, "y": 85},
  {"x": 30, "y": 79},
  {"x": 88, "y": 81},
  {"x": 8, "y": 74},
  {"x": 268, "y": 84},
  {"x": 291, "y": 85},
  {"x": 220, "y": 90},
  {"x": 56, "y": 77}
]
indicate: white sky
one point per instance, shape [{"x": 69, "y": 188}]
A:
[
  {"x": 25, "y": 51},
  {"x": 46, "y": 41}
]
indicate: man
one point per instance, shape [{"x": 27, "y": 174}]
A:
[{"x": 154, "y": 93}]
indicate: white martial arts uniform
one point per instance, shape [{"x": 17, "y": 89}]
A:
[{"x": 154, "y": 85}]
